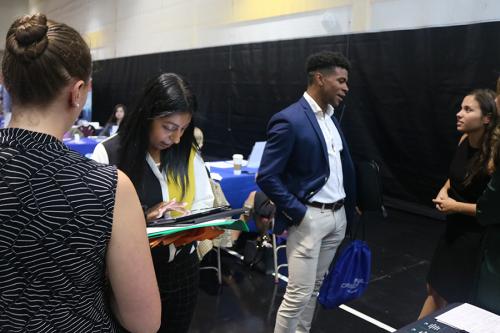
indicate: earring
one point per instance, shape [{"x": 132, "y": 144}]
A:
[{"x": 77, "y": 105}]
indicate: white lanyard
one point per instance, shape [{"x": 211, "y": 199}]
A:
[{"x": 162, "y": 176}]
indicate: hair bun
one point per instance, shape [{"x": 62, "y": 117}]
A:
[{"x": 27, "y": 36}]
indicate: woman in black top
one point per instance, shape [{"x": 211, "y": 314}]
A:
[
  {"x": 454, "y": 263},
  {"x": 114, "y": 120},
  {"x": 487, "y": 281},
  {"x": 66, "y": 222}
]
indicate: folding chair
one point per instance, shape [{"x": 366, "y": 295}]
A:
[{"x": 218, "y": 268}]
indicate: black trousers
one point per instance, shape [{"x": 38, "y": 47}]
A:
[{"x": 178, "y": 282}]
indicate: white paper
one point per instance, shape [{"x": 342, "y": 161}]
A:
[
  {"x": 155, "y": 230},
  {"x": 223, "y": 164},
  {"x": 215, "y": 176},
  {"x": 472, "y": 319},
  {"x": 220, "y": 164}
]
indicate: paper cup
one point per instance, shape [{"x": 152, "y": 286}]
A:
[{"x": 237, "y": 162}]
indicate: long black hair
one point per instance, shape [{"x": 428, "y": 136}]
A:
[{"x": 163, "y": 96}]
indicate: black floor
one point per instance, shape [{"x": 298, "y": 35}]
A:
[{"x": 401, "y": 246}]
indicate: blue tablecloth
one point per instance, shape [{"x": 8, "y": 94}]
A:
[
  {"x": 236, "y": 188},
  {"x": 84, "y": 146}
]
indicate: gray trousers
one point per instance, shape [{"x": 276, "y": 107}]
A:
[{"x": 310, "y": 249}]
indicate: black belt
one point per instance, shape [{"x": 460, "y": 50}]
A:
[{"x": 333, "y": 206}]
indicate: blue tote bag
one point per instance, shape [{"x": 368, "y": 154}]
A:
[{"x": 348, "y": 278}]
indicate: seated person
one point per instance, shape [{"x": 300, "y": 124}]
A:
[
  {"x": 114, "y": 120},
  {"x": 262, "y": 211}
]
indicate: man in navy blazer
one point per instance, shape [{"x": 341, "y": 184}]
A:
[{"x": 307, "y": 171}]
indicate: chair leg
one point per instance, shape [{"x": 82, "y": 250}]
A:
[
  {"x": 219, "y": 270},
  {"x": 275, "y": 259}
]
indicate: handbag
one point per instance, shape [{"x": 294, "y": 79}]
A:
[
  {"x": 219, "y": 197},
  {"x": 348, "y": 278},
  {"x": 369, "y": 187},
  {"x": 258, "y": 256},
  {"x": 223, "y": 240}
]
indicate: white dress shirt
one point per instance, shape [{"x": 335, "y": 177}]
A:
[{"x": 333, "y": 190}]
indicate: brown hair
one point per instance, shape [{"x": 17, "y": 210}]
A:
[
  {"x": 112, "y": 117},
  {"x": 495, "y": 138},
  {"x": 481, "y": 163},
  {"x": 41, "y": 57}
]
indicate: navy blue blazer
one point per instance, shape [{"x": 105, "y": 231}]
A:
[{"x": 295, "y": 166}]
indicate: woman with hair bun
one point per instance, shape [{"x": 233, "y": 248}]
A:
[{"x": 67, "y": 222}]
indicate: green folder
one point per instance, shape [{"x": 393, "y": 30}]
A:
[{"x": 154, "y": 232}]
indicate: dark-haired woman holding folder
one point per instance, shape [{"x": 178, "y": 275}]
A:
[{"x": 155, "y": 147}]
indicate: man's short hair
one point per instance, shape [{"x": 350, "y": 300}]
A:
[{"x": 325, "y": 60}]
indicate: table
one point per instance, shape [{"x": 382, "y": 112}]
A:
[
  {"x": 429, "y": 323},
  {"x": 84, "y": 146}
]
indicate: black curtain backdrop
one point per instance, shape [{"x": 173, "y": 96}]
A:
[{"x": 405, "y": 89}]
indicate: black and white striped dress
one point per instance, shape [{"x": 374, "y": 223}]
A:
[{"x": 56, "y": 213}]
